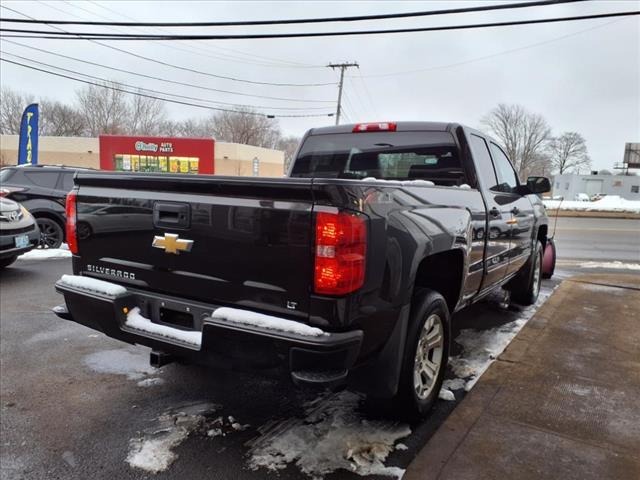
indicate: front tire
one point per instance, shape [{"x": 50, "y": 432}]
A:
[
  {"x": 426, "y": 354},
  {"x": 525, "y": 288}
]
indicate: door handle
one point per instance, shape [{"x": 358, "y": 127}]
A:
[
  {"x": 515, "y": 210},
  {"x": 494, "y": 212}
]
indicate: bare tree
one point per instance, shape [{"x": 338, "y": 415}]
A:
[
  {"x": 103, "y": 109},
  {"x": 146, "y": 116},
  {"x": 58, "y": 119},
  {"x": 568, "y": 152},
  {"x": 245, "y": 127},
  {"x": 289, "y": 145},
  {"x": 523, "y": 134},
  {"x": 12, "y": 104}
]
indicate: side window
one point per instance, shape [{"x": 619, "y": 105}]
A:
[
  {"x": 67, "y": 182},
  {"x": 42, "y": 179},
  {"x": 484, "y": 166},
  {"x": 507, "y": 179}
]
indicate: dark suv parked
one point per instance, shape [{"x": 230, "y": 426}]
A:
[{"x": 42, "y": 189}]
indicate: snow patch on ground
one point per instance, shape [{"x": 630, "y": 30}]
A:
[
  {"x": 153, "y": 450},
  {"x": 610, "y": 203},
  {"x": 132, "y": 362},
  {"x": 333, "y": 435},
  {"x": 446, "y": 394},
  {"x": 92, "y": 285},
  {"x": 46, "y": 253},
  {"x": 150, "y": 382},
  {"x": 136, "y": 321},
  {"x": 480, "y": 348},
  {"x": 615, "y": 265},
  {"x": 246, "y": 317}
]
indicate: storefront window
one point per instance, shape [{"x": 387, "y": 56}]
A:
[{"x": 153, "y": 163}]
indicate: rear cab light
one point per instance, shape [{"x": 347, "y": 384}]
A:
[
  {"x": 375, "y": 127},
  {"x": 340, "y": 252},
  {"x": 71, "y": 212}
]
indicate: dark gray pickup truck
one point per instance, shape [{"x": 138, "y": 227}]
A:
[{"x": 347, "y": 271}]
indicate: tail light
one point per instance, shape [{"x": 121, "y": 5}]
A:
[
  {"x": 71, "y": 214},
  {"x": 341, "y": 243}
]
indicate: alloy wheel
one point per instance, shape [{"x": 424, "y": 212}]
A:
[{"x": 428, "y": 359}]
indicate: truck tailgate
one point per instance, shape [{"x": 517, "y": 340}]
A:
[{"x": 220, "y": 240}]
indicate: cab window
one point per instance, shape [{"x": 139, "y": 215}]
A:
[{"x": 507, "y": 178}]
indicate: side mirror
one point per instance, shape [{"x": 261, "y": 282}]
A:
[{"x": 538, "y": 185}]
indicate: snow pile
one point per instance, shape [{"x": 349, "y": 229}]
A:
[
  {"x": 610, "y": 203},
  {"x": 246, "y": 317},
  {"x": 92, "y": 285},
  {"x": 615, "y": 265},
  {"x": 135, "y": 321},
  {"x": 482, "y": 347},
  {"x": 153, "y": 451},
  {"x": 132, "y": 362},
  {"x": 332, "y": 436},
  {"x": 46, "y": 253}
]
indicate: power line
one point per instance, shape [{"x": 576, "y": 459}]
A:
[
  {"x": 167, "y": 64},
  {"x": 157, "y": 91},
  {"x": 486, "y": 57},
  {"x": 194, "y": 49},
  {"x": 117, "y": 89},
  {"x": 275, "y": 61},
  {"x": 106, "y": 36},
  {"x": 166, "y": 80},
  {"x": 358, "y": 18}
]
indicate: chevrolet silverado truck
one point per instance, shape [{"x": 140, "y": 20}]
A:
[{"x": 346, "y": 270}]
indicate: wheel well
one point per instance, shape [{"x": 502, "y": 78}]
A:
[
  {"x": 542, "y": 235},
  {"x": 54, "y": 217},
  {"x": 442, "y": 272}
]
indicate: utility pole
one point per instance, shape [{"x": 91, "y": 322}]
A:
[{"x": 342, "y": 67}]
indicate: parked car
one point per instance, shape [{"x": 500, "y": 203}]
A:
[
  {"x": 42, "y": 190},
  {"x": 348, "y": 271},
  {"x": 19, "y": 232}
]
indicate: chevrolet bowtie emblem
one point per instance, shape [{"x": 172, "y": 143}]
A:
[{"x": 171, "y": 243}]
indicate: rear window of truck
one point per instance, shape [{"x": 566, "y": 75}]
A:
[{"x": 429, "y": 156}]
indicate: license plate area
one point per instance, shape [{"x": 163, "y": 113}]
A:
[
  {"x": 21, "y": 241},
  {"x": 177, "y": 318}
]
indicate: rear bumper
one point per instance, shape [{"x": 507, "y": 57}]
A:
[{"x": 322, "y": 359}]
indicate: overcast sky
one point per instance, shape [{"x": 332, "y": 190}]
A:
[{"x": 581, "y": 76}]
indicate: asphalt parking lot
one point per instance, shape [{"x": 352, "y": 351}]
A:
[{"x": 76, "y": 404}]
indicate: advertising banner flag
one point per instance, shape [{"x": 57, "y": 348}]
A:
[{"x": 28, "y": 145}]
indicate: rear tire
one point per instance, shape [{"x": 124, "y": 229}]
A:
[
  {"x": 51, "y": 233},
  {"x": 5, "y": 262},
  {"x": 525, "y": 287},
  {"x": 426, "y": 354}
]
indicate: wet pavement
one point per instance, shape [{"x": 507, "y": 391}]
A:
[{"x": 74, "y": 402}]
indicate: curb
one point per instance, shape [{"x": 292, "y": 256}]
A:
[{"x": 593, "y": 214}]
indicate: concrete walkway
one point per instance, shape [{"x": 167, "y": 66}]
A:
[{"x": 562, "y": 402}]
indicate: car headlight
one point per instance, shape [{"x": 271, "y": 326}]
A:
[{"x": 25, "y": 212}]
